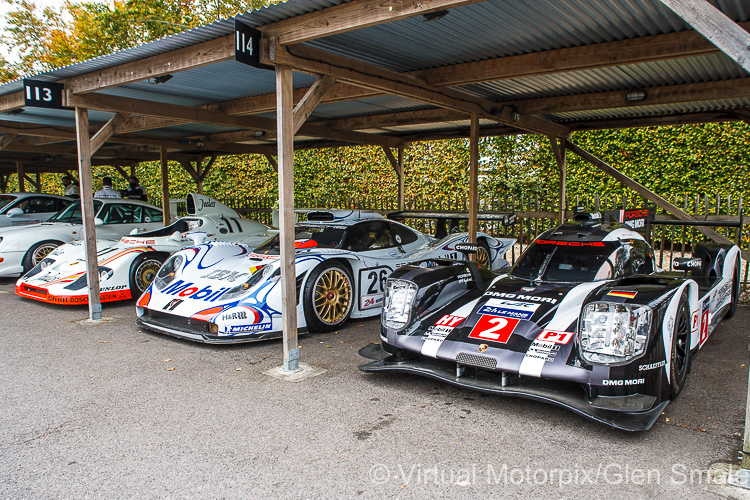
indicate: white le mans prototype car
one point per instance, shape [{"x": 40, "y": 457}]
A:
[
  {"x": 127, "y": 267},
  {"x": 224, "y": 292},
  {"x": 23, "y": 247}
]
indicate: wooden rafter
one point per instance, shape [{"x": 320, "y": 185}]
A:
[
  {"x": 732, "y": 39},
  {"x": 141, "y": 107},
  {"x": 320, "y": 62},
  {"x": 352, "y": 15},
  {"x": 6, "y": 140}
]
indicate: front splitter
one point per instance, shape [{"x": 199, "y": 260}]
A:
[{"x": 565, "y": 395}]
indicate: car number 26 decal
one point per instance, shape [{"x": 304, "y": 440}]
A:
[
  {"x": 494, "y": 328},
  {"x": 372, "y": 286}
]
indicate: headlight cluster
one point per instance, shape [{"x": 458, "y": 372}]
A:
[
  {"x": 613, "y": 333},
  {"x": 399, "y": 298},
  {"x": 245, "y": 287},
  {"x": 168, "y": 271}
]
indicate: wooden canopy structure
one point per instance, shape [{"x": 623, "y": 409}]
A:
[{"x": 314, "y": 74}]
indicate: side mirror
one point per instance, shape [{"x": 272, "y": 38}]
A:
[
  {"x": 14, "y": 212},
  {"x": 687, "y": 264},
  {"x": 98, "y": 221}
]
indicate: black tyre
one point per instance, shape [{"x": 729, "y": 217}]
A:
[
  {"x": 328, "y": 297},
  {"x": 143, "y": 271},
  {"x": 679, "y": 366},
  {"x": 735, "y": 290},
  {"x": 483, "y": 255},
  {"x": 37, "y": 253}
]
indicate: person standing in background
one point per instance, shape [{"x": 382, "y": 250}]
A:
[
  {"x": 71, "y": 187},
  {"x": 106, "y": 191},
  {"x": 135, "y": 191}
]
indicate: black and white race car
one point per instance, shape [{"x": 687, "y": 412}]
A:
[{"x": 585, "y": 320}]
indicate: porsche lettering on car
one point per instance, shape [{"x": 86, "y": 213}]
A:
[
  {"x": 128, "y": 266},
  {"x": 224, "y": 292},
  {"x": 585, "y": 320}
]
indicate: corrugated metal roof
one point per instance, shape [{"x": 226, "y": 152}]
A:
[{"x": 480, "y": 31}]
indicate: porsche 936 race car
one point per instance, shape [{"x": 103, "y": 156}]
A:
[
  {"x": 584, "y": 319},
  {"x": 128, "y": 266},
  {"x": 224, "y": 292}
]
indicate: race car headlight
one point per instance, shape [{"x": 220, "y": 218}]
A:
[
  {"x": 45, "y": 263},
  {"x": 397, "y": 307},
  {"x": 613, "y": 333},
  {"x": 168, "y": 271},
  {"x": 104, "y": 274},
  {"x": 245, "y": 287}
]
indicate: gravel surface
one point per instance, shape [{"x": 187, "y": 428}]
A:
[{"x": 111, "y": 411}]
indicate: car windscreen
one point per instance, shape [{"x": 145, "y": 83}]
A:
[
  {"x": 73, "y": 214},
  {"x": 569, "y": 261},
  {"x": 318, "y": 236},
  {"x": 6, "y": 200}
]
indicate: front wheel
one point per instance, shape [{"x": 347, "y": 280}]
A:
[
  {"x": 483, "y": 255},
  {"x": 143, "y": 271},
  {"x": 328, "y": 297},
  {"x": 37, "y": 253},
  {"x": 735, "y": 290},
  {"x": 680, "y": 360}
]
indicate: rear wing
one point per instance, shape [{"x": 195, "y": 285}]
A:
[{"x": 448, "y": 221}]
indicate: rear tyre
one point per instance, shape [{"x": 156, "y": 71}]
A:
[
  {"x": 680, "y": 360},
  {"x": 483, "y": 255},
  {"x": 328, "y": 297},
  {"x": 735, "y": 291},
  {"x": 143, "y": 271},
  {"x": 37, "y": 253}
]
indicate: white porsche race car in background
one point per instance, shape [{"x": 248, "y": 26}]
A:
[
  {"x": 127, "y": 266},
  {"x": 22, "y": 248},
  {"x": 224, "y": 292},
  {"x": 22, "y": 209}
]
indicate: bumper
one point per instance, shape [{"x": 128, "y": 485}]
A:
[
  {"x": 10, "y": 265},
  {"x": 43, "y": 295},
  {"x": 615, "y": 412},
  {"x": 197, "y": 330}
]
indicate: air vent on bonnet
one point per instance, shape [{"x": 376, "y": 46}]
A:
[
  {"x": 320, "y": 216},
  {"x": 588, "y": 218}
]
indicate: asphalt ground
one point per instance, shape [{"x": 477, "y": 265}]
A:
[{"x": 111, "y": 411}]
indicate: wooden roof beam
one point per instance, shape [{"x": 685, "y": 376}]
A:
[
  {"x": 116, "y": 104},
  {"x": 353, "y": 15},
  {"x": 323, "y": 63}
]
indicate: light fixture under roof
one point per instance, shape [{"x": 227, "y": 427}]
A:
[
  {"x": 434, "y": 16},
  {"x": 636, "y": 95}
]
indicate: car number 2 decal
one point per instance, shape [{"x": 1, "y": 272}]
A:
[
  {"x": 372, "y": 286},
  {"x": 494, "y": 328}
]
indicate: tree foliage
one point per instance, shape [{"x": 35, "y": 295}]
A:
[{"x": 48, "y": 38}]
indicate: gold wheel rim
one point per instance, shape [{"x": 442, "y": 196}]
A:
[
  {"x": 146, "y": 273},
  {"x": 483, "y": 257},
  {"x": 42, "y": 252},
  {"x": 333, "y": 296}
]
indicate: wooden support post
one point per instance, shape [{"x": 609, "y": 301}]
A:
[
  {"x": 199, "y": 178},
  {"x": 122, "y": 172},
  {"x": 401, "y": 205},
  {"x": 4, "y": 183},
  {"x": 164, "y": 184},
  {"x": 285, "y": 141},
  {"x": 21, "y": 176},
  {"x": 562, "y": 166},
  {"x": 649, "y": 195},
  {"x": 473, "y": 179},
  {"x": 87, "y": 207},
  {"x": 310, "y": 100},
  {"x": 38, "y": 182}
]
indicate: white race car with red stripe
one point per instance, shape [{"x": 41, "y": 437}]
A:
[{"x": 127, "y": 267}]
